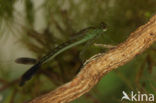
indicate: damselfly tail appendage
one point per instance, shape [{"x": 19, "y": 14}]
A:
[
  {"x": 27, "y": 75},
  {"x": 25, "y": 60}
]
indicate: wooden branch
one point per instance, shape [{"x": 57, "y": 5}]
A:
[{"x": 98, "y": 66}]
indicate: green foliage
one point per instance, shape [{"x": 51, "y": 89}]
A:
[
  {"x": 6, "y": 13},
  {"x": 29, "y": 8},
  {"x": 6, "y": 8}
]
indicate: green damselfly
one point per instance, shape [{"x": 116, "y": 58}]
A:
[{"x": 84, "y": 36}]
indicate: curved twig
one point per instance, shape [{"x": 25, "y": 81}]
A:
[{"x": 97, "y": 67}]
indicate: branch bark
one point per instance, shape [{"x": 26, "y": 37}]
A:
[{"x": 97, "y": 67}]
